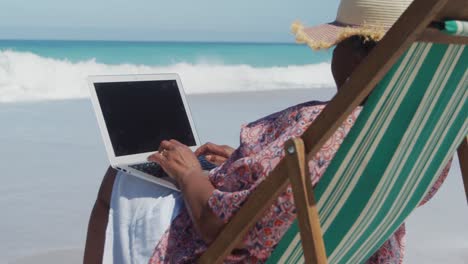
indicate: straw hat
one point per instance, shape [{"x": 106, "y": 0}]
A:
[{"x": 368, "y": 18}]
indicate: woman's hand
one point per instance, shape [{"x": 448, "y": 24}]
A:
[
  {"x": 182, "y": 164},
  {"x": 176, "y": 159},
  {"x": 216, "y": 154}
]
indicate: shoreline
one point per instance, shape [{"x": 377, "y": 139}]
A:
[{"x": 328, "y": 91}]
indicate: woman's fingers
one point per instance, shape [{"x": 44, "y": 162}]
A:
[
  {"x": 215, "y": 159},
  {"x": 157, "y": 157},
  {"x": 202, "y": 149},
  {"x": 205, "y": 148},
  {"x": 175, "y": 158},
  {"x": 169, "y": 145},
  {"x": 228, "y": 149},
  {"x": 217, "y": 150},
  {"x": 199, "y": 151},
  {"x": 176, "y": 143},
  {"x": 165, "y": 144},
  {"x": 211, "y": 149},
  {"x": 162, "y": 159}
]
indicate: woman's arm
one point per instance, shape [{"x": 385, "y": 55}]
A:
[
  {"x": 96, "y": 235},
  {"x": 180, "y": 163},
  {"x": 197, "y": 189}
]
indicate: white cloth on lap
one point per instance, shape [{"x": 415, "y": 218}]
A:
[{"x": 140, "y": 212}]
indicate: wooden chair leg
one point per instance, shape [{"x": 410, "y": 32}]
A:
[
  {"x": 307, "y": 213},
  {"x": 463, "y": 159}
]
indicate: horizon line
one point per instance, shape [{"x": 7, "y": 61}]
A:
[{"x": 156, "y": 41}]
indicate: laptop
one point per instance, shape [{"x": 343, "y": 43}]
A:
[{"x": 135, "y": 113}]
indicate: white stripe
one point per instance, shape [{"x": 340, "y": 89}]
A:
[
  {"x": 358, "y": 152},
  {"x": 344, "y": 168},
  {"x": 380, "y": 128},
  {"x": 364, "y": 220},
  {"x": 434, "y": 138},
  {"x": 295, "y": 258},
  {"x": 396, "y": 215},
  {"x": 284, "y": 258},
  {"x": 459, "y": 27},
  {"x": 463, "y": 82},
  {"x": 408, "y": 187},
  {"x": 436, "y": 85}
]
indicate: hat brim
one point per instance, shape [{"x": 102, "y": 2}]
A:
[{"x": 328, "y": 35}]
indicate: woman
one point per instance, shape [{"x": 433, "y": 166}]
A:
[{"x": 211, "y": 201}]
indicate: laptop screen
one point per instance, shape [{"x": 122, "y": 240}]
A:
[{"x": 140, "y": 114}]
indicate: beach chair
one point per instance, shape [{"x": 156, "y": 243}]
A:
[{"x": 415, "y": 118}]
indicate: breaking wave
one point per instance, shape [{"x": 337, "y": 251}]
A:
[{"x": 25, "y": 76}]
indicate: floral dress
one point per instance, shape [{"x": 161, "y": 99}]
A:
[{"x": 260, "y": 150}]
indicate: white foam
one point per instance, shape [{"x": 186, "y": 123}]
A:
[{"x": 26, "y": 76}]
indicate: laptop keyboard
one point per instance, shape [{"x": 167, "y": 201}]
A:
[
  {"x": 154, "y": 169},
  {"x": 151, "y": 168}
]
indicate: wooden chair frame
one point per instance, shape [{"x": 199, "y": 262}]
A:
[{"x": 412, "y": 26}]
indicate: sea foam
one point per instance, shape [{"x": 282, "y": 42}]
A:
[{"x": 25, "y": 76}]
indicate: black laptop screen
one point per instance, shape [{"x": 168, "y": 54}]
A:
[{"x": 140, "y": 114}]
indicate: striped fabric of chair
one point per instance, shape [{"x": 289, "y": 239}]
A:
[{"x": 409, "y": 128}]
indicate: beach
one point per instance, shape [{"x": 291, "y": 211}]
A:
[{"x": 53, "y": 160}]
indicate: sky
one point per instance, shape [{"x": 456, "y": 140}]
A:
[{"x": 156, "y": 20}]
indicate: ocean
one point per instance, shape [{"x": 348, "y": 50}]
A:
[
  {"x": 39, "y": 70},
  {"x": 52, "y": 158},
  {"x": 46, "y": 114}
]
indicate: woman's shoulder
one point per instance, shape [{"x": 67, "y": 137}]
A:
[
  {"x": 266, "y": 130},
  {"x": 310, "y": 106}
]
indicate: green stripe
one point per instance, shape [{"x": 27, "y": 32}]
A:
[
  {"x": 400, "y": 204},
  {"x": 379, "y": 165},
  {"x": 350, "y": 214},
  {"x": 400, "y": 155},
  {"x": 361, "y": 147},
  {"x": 391, "y": 205},
  {"x": 390, "y": 199},
  {"x": 285, "y": 243}
]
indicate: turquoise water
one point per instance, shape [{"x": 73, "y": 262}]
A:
[
  {"x": 167, "y": 53},
  {"x": 47, "y": 70}
]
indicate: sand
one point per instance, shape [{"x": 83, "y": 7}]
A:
[{"x": 53, "y": 159}]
